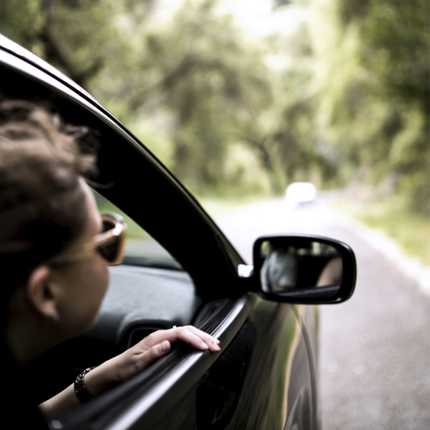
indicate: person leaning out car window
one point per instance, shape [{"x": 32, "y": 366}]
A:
[{"x": 55, "y": 249}]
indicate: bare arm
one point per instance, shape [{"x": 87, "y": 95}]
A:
[{"x": 127, "y": 364}]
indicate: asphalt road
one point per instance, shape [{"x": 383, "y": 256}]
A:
[{"x": 374, "y": 349}]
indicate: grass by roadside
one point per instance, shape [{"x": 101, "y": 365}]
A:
[{"x": 410, "y": 230}]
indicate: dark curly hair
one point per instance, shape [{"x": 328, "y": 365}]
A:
[{"x": 42, "y": 205}]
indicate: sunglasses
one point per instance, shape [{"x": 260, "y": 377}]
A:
[{"x": 109, "y": 244}]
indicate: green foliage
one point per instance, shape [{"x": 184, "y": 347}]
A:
[
  {"x": 75, "y": 36},
  {"x": 373, "y": 79},
  {"x": 345, "y": 94},
  {"x": 23, "y": 23},
  {"x": 396, "y": 41},
  {"x": 209, "y": 82}
]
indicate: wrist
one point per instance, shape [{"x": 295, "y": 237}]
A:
[
  {"x": 80, "y": 386},
  {"x": 99, "y": 379}
]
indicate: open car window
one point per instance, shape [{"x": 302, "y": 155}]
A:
[{"x": 141, "y": 248}]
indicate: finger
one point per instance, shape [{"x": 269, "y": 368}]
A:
[
  {"x": 188, "y": 334},
  {"x": 193, "y": 337},
  {"x": 155, "y": 338},
  {"x": 133, "y": 360},
  {"x": 212, "y": 342},
  {"x": 152, "y": 354},
  {"x": 183, "y": 334}
]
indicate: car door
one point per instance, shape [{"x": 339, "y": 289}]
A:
[{"x": 262, "y": 378}]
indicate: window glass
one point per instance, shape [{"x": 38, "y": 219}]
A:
[{"x": 141, "y": 248}]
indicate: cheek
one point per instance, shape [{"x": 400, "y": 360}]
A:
[
  {"x": 103, "y": 281},
  {"x": 96, "y": 287},
  {"x": 83, "y": 305}
]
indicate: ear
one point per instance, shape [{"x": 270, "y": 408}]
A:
[{"x": 41, "y": 293}]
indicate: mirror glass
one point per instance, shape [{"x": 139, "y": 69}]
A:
[{"x": 299, "y": 264}]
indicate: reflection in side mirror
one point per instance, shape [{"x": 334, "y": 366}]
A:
[
  {"x": 298, "y": 266},
  {"x": 304, "y": 269}
]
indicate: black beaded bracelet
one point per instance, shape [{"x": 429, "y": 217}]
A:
[{"x": 81, "y": 391}]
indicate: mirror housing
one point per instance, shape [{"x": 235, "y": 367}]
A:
[{"x": 303, "y": 269}]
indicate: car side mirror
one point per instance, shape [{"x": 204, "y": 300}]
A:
[{"x": 304, "y": 269}]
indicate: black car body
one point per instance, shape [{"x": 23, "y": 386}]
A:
[{"x": 265, "y": 376}]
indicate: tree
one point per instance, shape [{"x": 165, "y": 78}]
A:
[{"x": 374, "y": 92}]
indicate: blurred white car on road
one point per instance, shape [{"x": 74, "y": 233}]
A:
[{"x": 300, "y": 193}]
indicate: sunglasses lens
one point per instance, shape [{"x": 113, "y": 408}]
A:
[{"x": 110, "y": 250}]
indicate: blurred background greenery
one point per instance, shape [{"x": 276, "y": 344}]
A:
[{"x": 240, "y": 98}]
